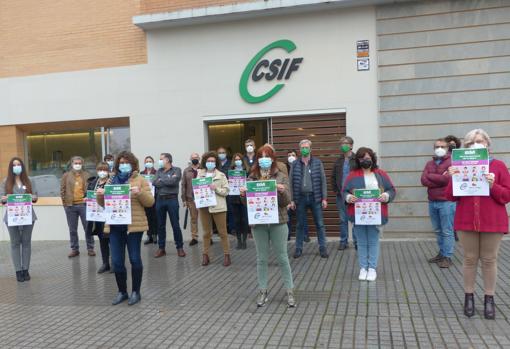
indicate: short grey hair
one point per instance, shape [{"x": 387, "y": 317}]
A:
[
  {"x": 469, "y": 139},
  {"x": 347, "y": 139},
  {"x": 77, "y": 157},
  {"x": 305, "y": 141},
  {"x": 193, "y": 154}
]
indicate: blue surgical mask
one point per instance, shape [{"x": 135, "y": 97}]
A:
[
  {"x": 149, "y": 165},
  {"x": 125, "y": 168},
  {"x": 265, "y": 163},
  {"x": 210, "y": 165},
  {"x": 17, "y": 169},
  {"x": 239, "y": 163},
  {"x": 222, "y": 156},
  {"x": 110, "y": 164},
  {"x": 161, "y": 163}
]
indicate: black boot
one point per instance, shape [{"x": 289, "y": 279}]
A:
[
  {"x": 136, "y": 277},
  {"x": 19, "y": 276},
  {"x": 239, "y": 240},
  {"x": 244, "y": 238},
  {"x": 489, "y": 309},
  {"x": 149, "y": 240},
  {"x": 121, "y": 279},
  {"x": 469, "y": 304},
  {"x": 26, "y": 275},
  {"x": 104, "y": 268}
]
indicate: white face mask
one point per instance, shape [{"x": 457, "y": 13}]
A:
[
  {"x": 249, "y": 149},
  {"x": 477, "y": 146},
  {"x": 102, "y": 174},
  {"x": 77, "y": 167},
  {"x": 291, "y": 159},
  {"x": 440, "y": 152}
]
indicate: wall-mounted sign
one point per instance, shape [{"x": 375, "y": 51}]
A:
[
  {"x": 362, "y": 55},
  {"x": 277, "y": 69}
]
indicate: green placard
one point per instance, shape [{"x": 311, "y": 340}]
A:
[
  {"x": 236, "y": 173},
  {"x": 116, "y": 189},
  {"x": 149, "y": 177},
  {"x": 19, "y": 198},
  {"x": 91, "y": 194},
  {"x": 261, "y": 186},
  {"x": 367, "y": 193},
  {"x": 196, "y": 182},
  {"x": 470, "y": 154}
]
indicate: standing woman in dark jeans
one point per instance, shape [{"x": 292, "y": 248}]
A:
[
  {"x": 150, "y": 212},
  {"x": 17, "y": 182},
  {"x": 121, "y": 236},
  {"x": 239, "y": 213},
  {"x": 97, "y": 228}
]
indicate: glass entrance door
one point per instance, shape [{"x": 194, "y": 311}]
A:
[{"x": 233, "y": 134}]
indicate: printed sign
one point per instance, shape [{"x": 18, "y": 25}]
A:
[
  {"x": 150, "y": 178},
  {"x": 95, "y": 213},
  {"x": 19, "y": 209},
  {"x": 471, "y": 167},
  {"x": 236, "y": 180},
  {"x": 362, "y": 55},
  {"x": 367, "y": 209},
  {"x": 262, "y": 202},
  {"x": 117, "y": 202},
  {"x": 204, "y": 195}
]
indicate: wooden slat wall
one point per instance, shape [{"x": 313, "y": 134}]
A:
[{"x": 324, "y": 131}]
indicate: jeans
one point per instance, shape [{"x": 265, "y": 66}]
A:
[
  {"x": 307, "y": 201},
  {"x": 368, "y": 245},
  {"x": 344, "y": 221},
  {"x": 73, "y": 213},
  {"x": 119, "y": 240},
  {"x": 275, "y": 235},
  {"x": 292, "y": 213},
  {"x": 442, "y": 214},
  {"x": 170, "y": 206},
  {"x": 21, "y": 249}
]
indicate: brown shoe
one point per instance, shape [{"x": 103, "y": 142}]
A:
[
  {"x": 435, "y": 259},
  {"x": 159, "y": 253},
  {"x": 226, "y": 260},
  {"x": 181, "y": 253},
  {"x": 445, "y": 262},
  {"x": 205, "y": 260},
  {"x": 91, "y": 253},
  {"x": 73, "y": 253}
]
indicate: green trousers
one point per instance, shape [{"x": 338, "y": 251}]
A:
[{"x": 266, "y": 235}]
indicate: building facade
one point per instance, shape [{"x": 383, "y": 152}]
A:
[{"x": 182, "y": 76}]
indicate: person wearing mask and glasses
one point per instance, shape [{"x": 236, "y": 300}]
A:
[
  {"x": 149, "y": 173},
  {"x": 73, "y": 188},
  {"x": 18, "y": 182}
]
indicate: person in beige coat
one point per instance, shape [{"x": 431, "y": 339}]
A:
[
  {"x": 210, "y": 168},
  {"x": 126, "y": 171}
]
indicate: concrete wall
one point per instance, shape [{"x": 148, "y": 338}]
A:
[
  {"x": 444, "y": 68},
  {"x": 193, "y": 73}
]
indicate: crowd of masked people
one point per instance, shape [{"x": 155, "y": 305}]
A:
[{"x": 479, "y": 222}]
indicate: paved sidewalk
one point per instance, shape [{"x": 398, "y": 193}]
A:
[{"x": 185, "y": 305}]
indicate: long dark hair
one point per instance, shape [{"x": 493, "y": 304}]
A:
[
  {"x": 266, "y": 148},
  {"x": 11, "y": 177},
  {"x": 361, "y": 153}
]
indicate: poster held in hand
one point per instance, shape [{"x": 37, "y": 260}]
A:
[
  {"x": 19, "y": 209},
  {"x": 262, "y": 202},
  {"x": 367, "y": 209},
  {"x": 95, "y": 213},
  {"x": 236, "y": 180},
  {"x": 471, "y": 165},
  {"x": 117, "y": 204},
  {"x": 204, "y": 195}
]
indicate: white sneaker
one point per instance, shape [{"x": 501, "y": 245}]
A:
[
  {"x": 362, "y": 274},
  {"x": 371, "y": 275}
]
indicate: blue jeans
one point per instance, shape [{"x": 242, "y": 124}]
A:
[
  {"x": 344, "y": 221},
  {"x": 441, "y": 214},
  {"x": 368, "y": 245},
  {"x": 308, "y": 201},
  {"x": 292, "y": 213},
  {"x": 119, "y": 239},
  {"x": 170, "y": 206}
]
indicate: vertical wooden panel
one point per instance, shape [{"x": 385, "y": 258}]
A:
[
  {"x": 12, "y": 145},
  {"x": 325, "y": 132}
]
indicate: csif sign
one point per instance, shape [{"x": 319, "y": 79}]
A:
[{"x": 278, "y": 69}]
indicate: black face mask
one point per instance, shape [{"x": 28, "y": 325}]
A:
[
  {"x": 451, "y": 147},
  {"x": 366, "y": 164},
  {"x": 194, "y": 161}
]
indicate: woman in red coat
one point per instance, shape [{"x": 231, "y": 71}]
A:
[{"x": 481, "y": 222}]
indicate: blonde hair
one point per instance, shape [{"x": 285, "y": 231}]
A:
[{"x": 469, "y": 139}]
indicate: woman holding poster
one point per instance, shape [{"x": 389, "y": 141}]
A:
[
  {"x": 96, "y": 218},
  {"x": 368, "y": 190},
  {"x": 236, "y": 180},
  {"x": 275, "y": 234},
  {"x": 18, "y": 183},
  {"x": 127, "y": 235},
  {"x": 210, "y": 190},
  {"x": 481, "y": 221}
]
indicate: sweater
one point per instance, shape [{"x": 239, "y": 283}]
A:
[
  {"x": 485, "y": 214},
  {"x": 434, "y": 179}
]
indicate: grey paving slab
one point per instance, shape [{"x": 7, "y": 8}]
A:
[{"x": 412, "y": 304}]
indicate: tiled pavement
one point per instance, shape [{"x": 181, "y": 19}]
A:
[{"x": 185, "y": 305}]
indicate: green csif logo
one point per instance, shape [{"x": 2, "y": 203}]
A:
[{"x": 259, "y": 69}]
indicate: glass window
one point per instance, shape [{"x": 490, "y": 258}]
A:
[{"x": 233, "y": 134}]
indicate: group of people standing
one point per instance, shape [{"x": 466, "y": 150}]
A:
[{"x": 301, "y": 186}]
